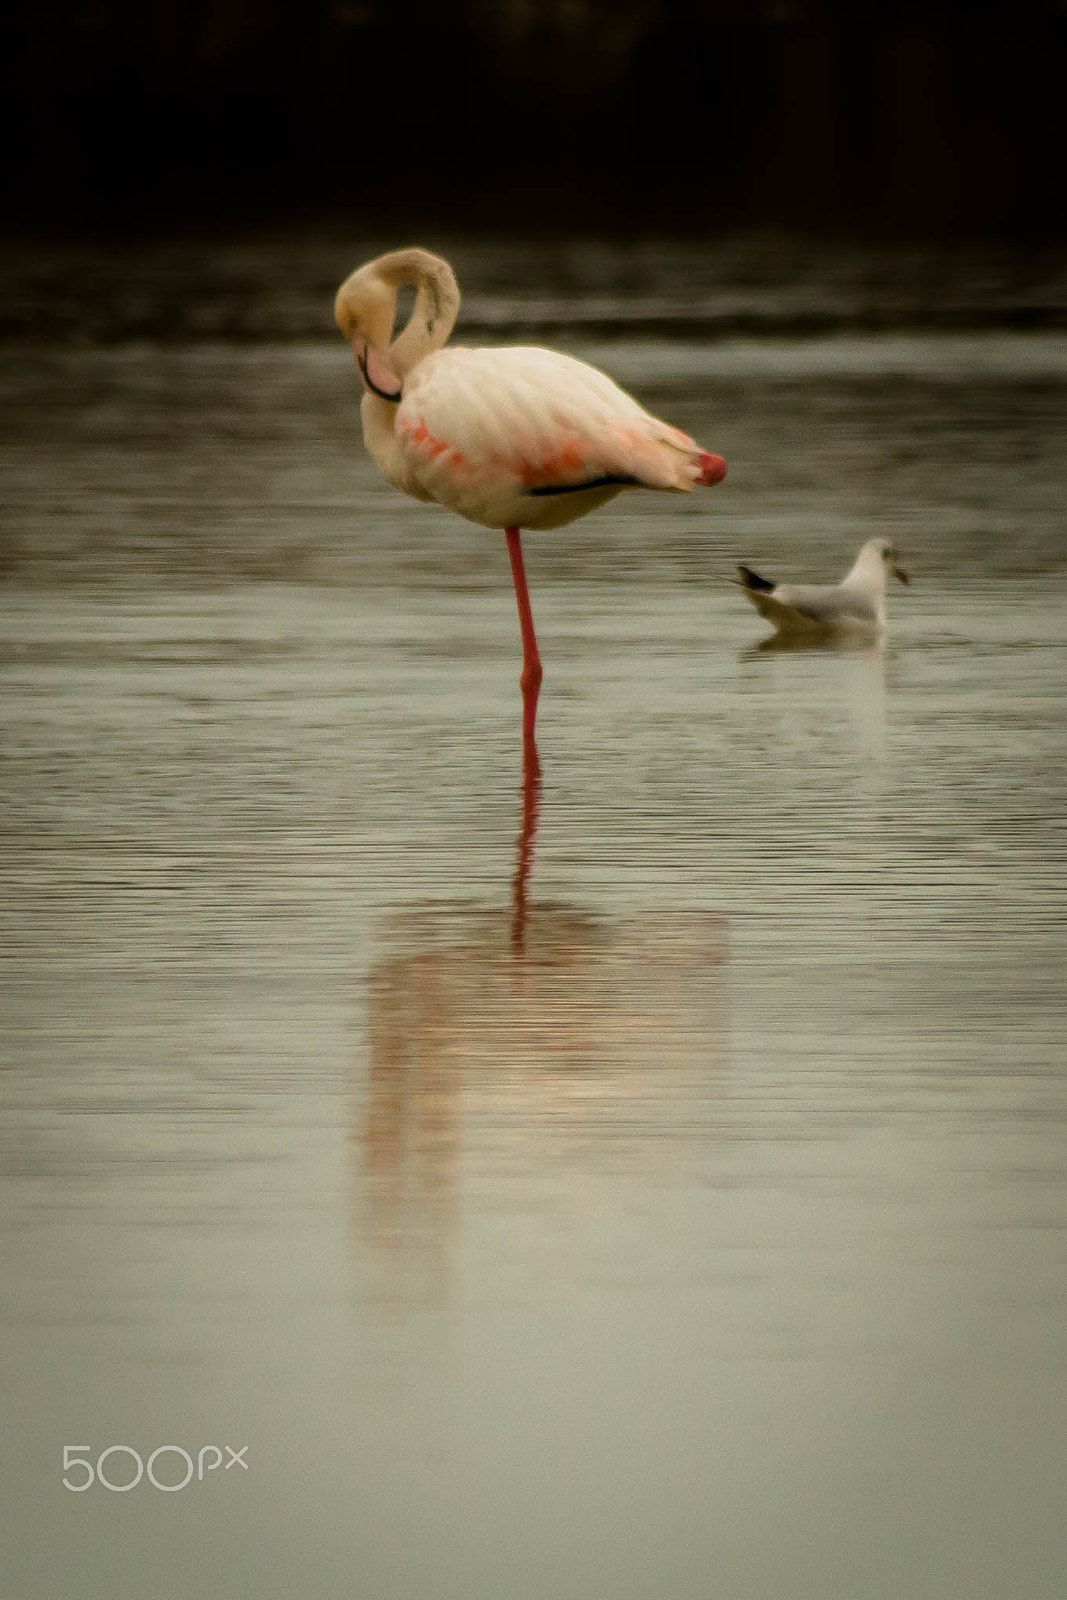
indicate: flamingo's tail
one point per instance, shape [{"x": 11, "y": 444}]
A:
[{"x": 712, "y": 469}]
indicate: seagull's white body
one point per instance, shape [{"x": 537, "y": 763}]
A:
[
  {"x": 513, "y": 437},
  {"x": 855, "y": 605}
]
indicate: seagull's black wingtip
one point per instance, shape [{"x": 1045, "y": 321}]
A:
[{"x": 752, "y": 580}]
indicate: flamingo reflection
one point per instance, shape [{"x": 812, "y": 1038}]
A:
[{"x": 536, "y": 1036}]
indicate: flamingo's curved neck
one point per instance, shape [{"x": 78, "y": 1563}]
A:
[
  {"x": 431, "y": 322},
  {"x": 365, "y": 309},
  {"x": 436, "y": 307}
]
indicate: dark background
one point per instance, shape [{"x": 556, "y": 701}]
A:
[{"x": 875, "y": 117}]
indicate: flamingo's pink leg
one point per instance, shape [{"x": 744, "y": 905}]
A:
[{"x": 532, "y": 671}]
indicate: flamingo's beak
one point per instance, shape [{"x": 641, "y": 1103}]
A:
[
  {"x": 375, "y": 370},
  {"x": 898, "y": 572},
  {"x": 712, "y": 468}
]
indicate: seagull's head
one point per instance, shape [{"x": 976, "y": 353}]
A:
[{"x": 890, "y": 559}]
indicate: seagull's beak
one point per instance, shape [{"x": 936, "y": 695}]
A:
[
  {"x": 375, "y": 370},
  {"x": 898, "y": 572}
]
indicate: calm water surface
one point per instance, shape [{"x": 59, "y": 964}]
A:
[{"x": 697, "y": 1228}]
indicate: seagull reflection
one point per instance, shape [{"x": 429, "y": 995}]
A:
[
  {"x": 813, "y": 644},
  {"x": 534, "y": 1038},
  {"x": 838, "y": 685}
]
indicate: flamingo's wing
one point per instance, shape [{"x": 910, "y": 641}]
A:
[{"x": 533, "y": 421}]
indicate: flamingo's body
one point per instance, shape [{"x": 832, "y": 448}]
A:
[
  {"x": 521, "y": 438},
  {"x": 509, "y": 438}
]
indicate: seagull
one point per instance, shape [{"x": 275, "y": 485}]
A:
[
  {"x": 855, "y": 605},
  {"x": 510, "y": 438}
]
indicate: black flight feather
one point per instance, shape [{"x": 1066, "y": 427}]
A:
[
  {"x": 576, "y": 488},
  {"x": 752, "y": 580}
]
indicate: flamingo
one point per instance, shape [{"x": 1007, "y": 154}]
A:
[{"x": 509, "y": 438}]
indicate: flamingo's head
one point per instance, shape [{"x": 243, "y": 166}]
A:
[
  {"x": 365, "y": 304},
  {"x": 364, "y": 310}
]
